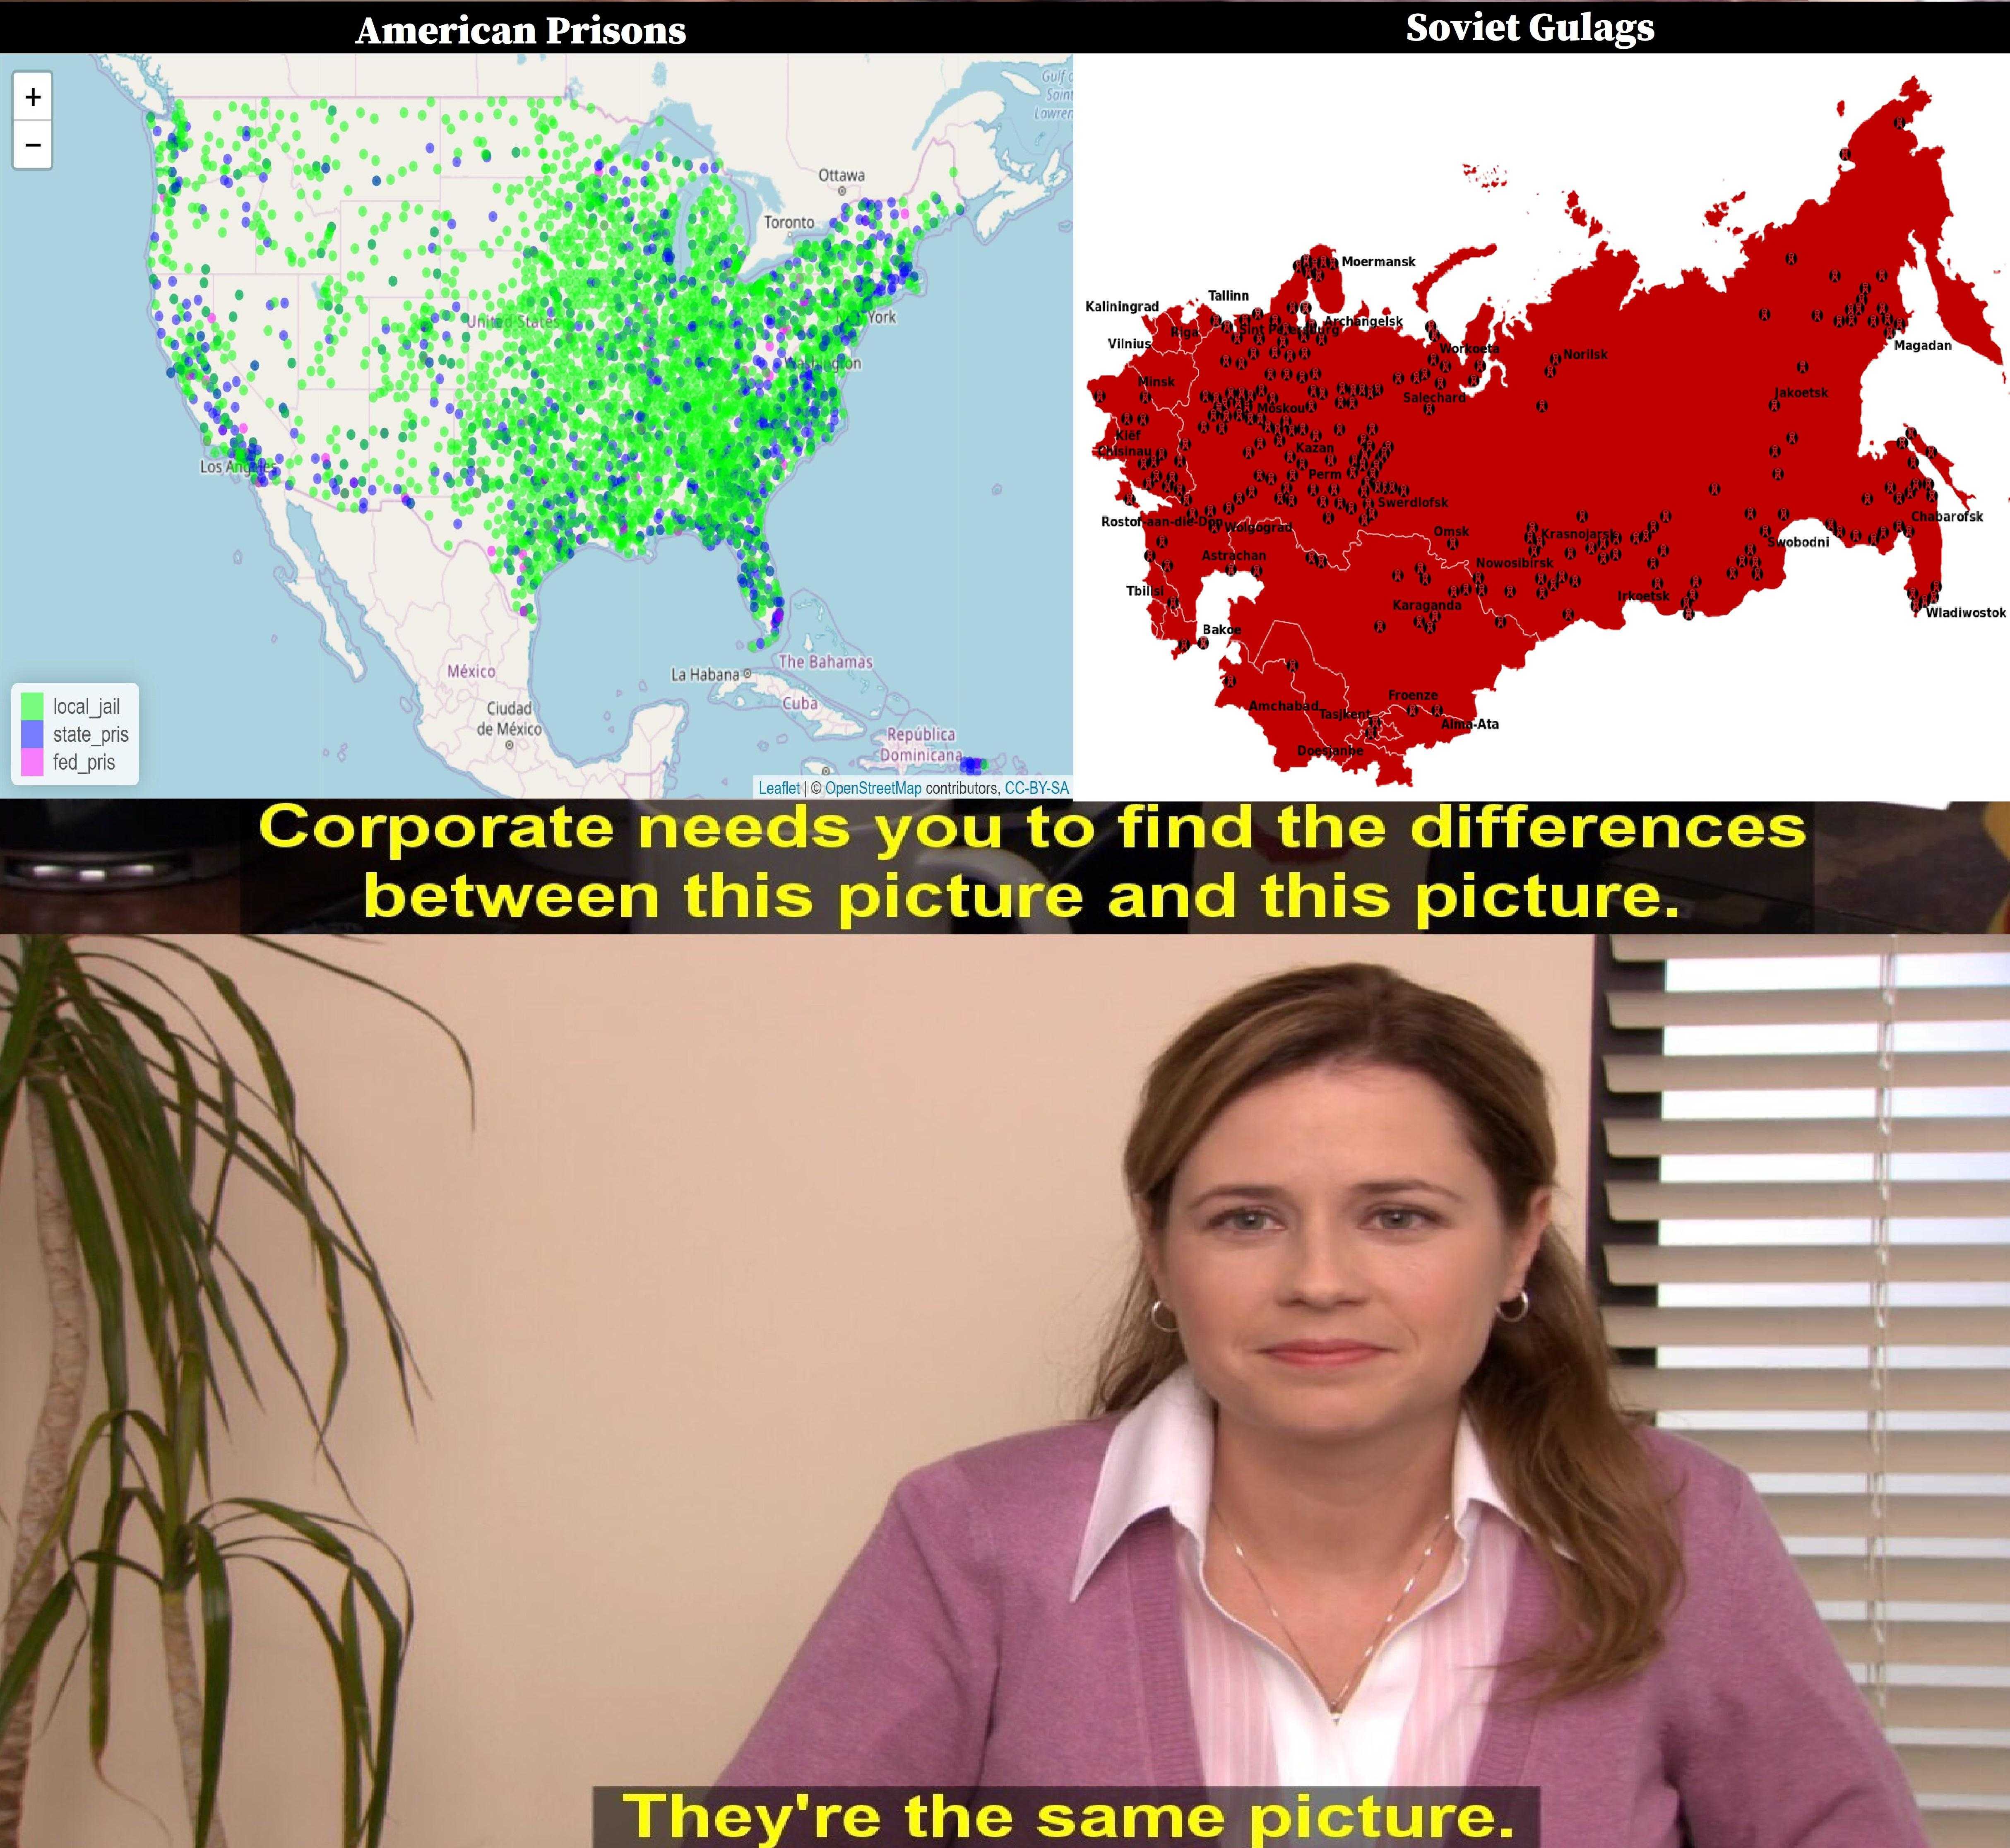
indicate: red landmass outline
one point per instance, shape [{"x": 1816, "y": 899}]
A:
[
  {"x": 1421, "y": 511},
  {"x": 1432, "y": 278}
]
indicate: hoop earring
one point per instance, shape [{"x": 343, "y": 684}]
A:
[
  {"x": 1523, "y": 1299},
  {"x": 1152, "y": 1315}
]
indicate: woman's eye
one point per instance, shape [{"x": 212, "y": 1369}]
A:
[
  {"x": 1243, "y": 1219},
  {"x": 1402, "y": 1219}
]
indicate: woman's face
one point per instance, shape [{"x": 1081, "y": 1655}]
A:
[{"x": 1334, "y": 1251}]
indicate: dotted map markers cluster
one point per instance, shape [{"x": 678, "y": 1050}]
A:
[{"x": 501, "y": 317}]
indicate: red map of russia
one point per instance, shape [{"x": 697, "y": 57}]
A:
[{"x": 1418, "y": 510}]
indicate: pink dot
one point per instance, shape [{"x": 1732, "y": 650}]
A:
[{"x": 491, "y": 551}]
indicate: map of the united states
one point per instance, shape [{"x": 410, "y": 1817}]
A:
[
  {"x": 1407, "y": 509},
  {"x": 584, "y": 400}
]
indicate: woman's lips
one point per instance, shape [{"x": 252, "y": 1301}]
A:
[{"x": 1324, "y": 1353}]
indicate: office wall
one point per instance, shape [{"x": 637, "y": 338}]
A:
[{"x": 746, "y": 1228}]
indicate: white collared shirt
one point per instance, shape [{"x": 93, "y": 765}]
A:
[{"x": 1416, "y": 1716}]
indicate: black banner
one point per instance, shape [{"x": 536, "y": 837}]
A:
[
  {"x": 963, "y": 867},
  {"x": 1028, "y": 1818},
  {"x": 1205, "y": 27}
]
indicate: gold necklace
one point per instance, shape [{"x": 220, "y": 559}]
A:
[{"x": 1334, "y": 1707}]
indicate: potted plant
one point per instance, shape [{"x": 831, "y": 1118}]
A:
[{"x": 141, "y": 1128}]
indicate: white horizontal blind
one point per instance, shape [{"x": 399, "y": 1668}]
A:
[{"x": 1832, "y": 1277}]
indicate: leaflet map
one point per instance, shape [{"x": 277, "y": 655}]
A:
[{"x": 598, "y": 426}]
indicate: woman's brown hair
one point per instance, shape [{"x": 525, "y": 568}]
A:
[{"x": 1566, "y": 1456}]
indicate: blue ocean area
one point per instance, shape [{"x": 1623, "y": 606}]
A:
[{"x": 931, "y": 536}]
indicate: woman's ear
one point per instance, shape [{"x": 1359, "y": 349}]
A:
[
  {"x": 1147, "y": 1241},
  {"x": 1541, "y": 1204}
]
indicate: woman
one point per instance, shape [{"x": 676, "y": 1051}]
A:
[{"x": 1355, "y": 1506}]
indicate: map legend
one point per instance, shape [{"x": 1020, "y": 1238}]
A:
[{"x": 76, "y": 732}]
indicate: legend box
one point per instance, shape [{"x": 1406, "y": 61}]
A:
[{"x": 75, "y": 732}]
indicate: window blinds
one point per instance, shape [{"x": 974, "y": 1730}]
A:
[{"x": 1807, "y": 1176}]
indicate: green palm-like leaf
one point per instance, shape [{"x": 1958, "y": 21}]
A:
[
  {"x": 215, "y": 1671},
  {"x": 109, "y": 1427},
  {"x": 404, "y": 1000},
  {"x": 31, "y": 983},
  {"x": 105, "y": 1556},
  {"x": 95, "y": 1238},
  {"x": 344, "y": 1638},
  {"x": 344, "y": 1649},
  {"x": 14, "y": 1672}
]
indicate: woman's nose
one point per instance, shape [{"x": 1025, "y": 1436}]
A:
[{"x": 1322, "y": 1264}]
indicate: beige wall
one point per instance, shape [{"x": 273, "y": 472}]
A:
[{"x": 748, "y": 1228}]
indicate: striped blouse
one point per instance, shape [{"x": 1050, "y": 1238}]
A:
[{"x": 1416, "y": 1716}]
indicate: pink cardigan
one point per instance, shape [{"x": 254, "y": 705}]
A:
[{"x": 950, "y": 1656}]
